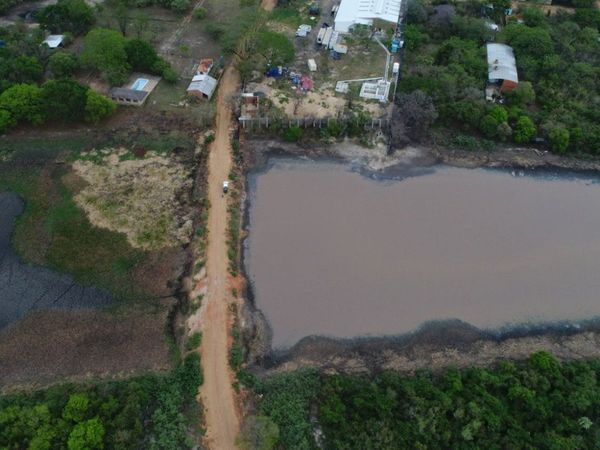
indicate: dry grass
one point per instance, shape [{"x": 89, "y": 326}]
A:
[
  {"x": 54, "y": 346},
  {"x": 139, "y": 197}
]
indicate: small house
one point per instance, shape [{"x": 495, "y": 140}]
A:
[
  {"x": 202, "y": 86},
  {"x": 205, "y": 66},
  {"x": 126, "y": 96},
  {"x": 54, "y": 40},
  {"x": 136, "y": 91},
  {"x": 502, "y": 70}
]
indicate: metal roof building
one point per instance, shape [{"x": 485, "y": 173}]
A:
[
  {"x": 501, "y": 63},
  {"x": 353, "y": 12},
  {"x": 54, "y": 40},
  {"x": 126, "y": 96},
  {"x": 202, "y": 86}
]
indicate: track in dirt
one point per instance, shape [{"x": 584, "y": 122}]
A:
[{"x": 217, "y": 394}]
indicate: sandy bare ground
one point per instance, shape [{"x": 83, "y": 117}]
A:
[{"x": 217, "y": 394}]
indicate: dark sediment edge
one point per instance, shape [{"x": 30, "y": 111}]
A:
[{"x": 435, "y": 344}]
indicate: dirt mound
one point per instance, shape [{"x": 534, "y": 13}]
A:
[{"x": 140, "y": 197}]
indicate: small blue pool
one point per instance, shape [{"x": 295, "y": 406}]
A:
[{"x": 139, "y": 84}]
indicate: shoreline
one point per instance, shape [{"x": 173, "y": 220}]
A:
[{"x": 435, "y": 344}]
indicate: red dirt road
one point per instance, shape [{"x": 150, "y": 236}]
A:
[{"x": 217, "y": 393}]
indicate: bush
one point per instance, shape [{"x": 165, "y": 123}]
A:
[
  {"x": 194, "y": 341},
  {"x": 104, "y": 50},
  {"x": 74, "y": 16},
  {"x": 98, "y": 107},
  {"x": 292, "y": 134},
  {"x": 64, "y": 100},
  {"x": 6, "y": 121},
  {"x": 559, "y": 139},
  {"x": 24, "y": 103},
  {"x": 199, "y": 13},
  {"x": 63, "y": 64},
  {"x": 524, "y": 130},
  {"x": 141, "y": 55},
  {"x": 170, "y": 76}
]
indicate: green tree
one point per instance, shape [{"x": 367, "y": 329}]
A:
[
  {"x": 26, "y": 69},
  {"x": 24, "y": 103},
  {"x": 414, "y": 38},
  {"x": 416, "y": 12},
  {"x": 528, "y": 41},
  {"x": 200, "y": 13},
  {"x": 63, "y": 64},
  {"x": 64, "y": 100},
  {"x": 275, "y": 47},
  {"x": 140, "y": 55},
  {"x": 559, "y": 138},
  {"x": 258, "y": 433},
  {"x": 104, "y": 50},
  {"x": 499, "y": 113},
  {"x": 76, "y": 408},
  {"x": 88, "y": 435},
  {"x": 534, "y": 17},
  {"x": 524, "y": 130},
  {"x": 6, "y": 121},
  {"x": 489, "y": 125},
  {"x": 180, "y": 5},
  {"x": 523, "y": 94},
  {"x": 98, "y": 107},
  {"x": 75, "y": 16}
]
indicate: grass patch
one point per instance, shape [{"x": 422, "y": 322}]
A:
[{"x": 53, "y": 231}]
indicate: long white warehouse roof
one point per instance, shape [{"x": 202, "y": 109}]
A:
[
  {"x": 501, "y": 63},
  {"x": 365, "y": 11}
]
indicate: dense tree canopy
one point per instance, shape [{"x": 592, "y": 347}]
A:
[
  {"x": 104, "y": 50},
  {"x": 74, "y": 16},
  {"x": 141, "y": 413},
  {"x": 539, "y": 404},
  {"x": 558, "y": 62}
]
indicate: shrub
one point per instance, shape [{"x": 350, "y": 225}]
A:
[
  {"x": 292, "y": 134},
  {"x": 24, "y": 103},
  {"x": 6, "y": 121},
  {"x": 524, "y": 130},
  {"x": 98, "y": 107},
  {"x": 194, "y": 341},
  {"x": 199, "y": 13},
  {"x": 559, "y": 139},
  {"x": 63, "y": 64}
]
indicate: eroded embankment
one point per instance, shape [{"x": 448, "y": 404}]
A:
[{"x": 434, "y": 346}]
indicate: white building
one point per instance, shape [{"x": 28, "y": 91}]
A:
[{"x": 364, "y": 12}]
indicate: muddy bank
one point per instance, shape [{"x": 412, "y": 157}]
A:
[
  {"x": 435, "y": 346},
  {"x": 257, "y": 153},
  {"x": 448, "y": 345},
  {"x": 26, "y": 288}
]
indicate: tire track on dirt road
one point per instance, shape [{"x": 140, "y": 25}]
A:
[{"x": 222, "y": 417}]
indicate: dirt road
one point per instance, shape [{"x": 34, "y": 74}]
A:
[{"x": 217, "y": 394}]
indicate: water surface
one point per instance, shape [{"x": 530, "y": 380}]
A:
[
  {"x": 332, "y": 252},
  {"x": 24, "y": 288}
]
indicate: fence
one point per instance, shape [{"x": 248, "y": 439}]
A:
[{"x": 250, "y": 123}]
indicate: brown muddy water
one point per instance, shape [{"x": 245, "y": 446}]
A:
[{"x": 332, "y": 252}]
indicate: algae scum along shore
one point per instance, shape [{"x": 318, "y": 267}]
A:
[{"x": 331, "y": 252}]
